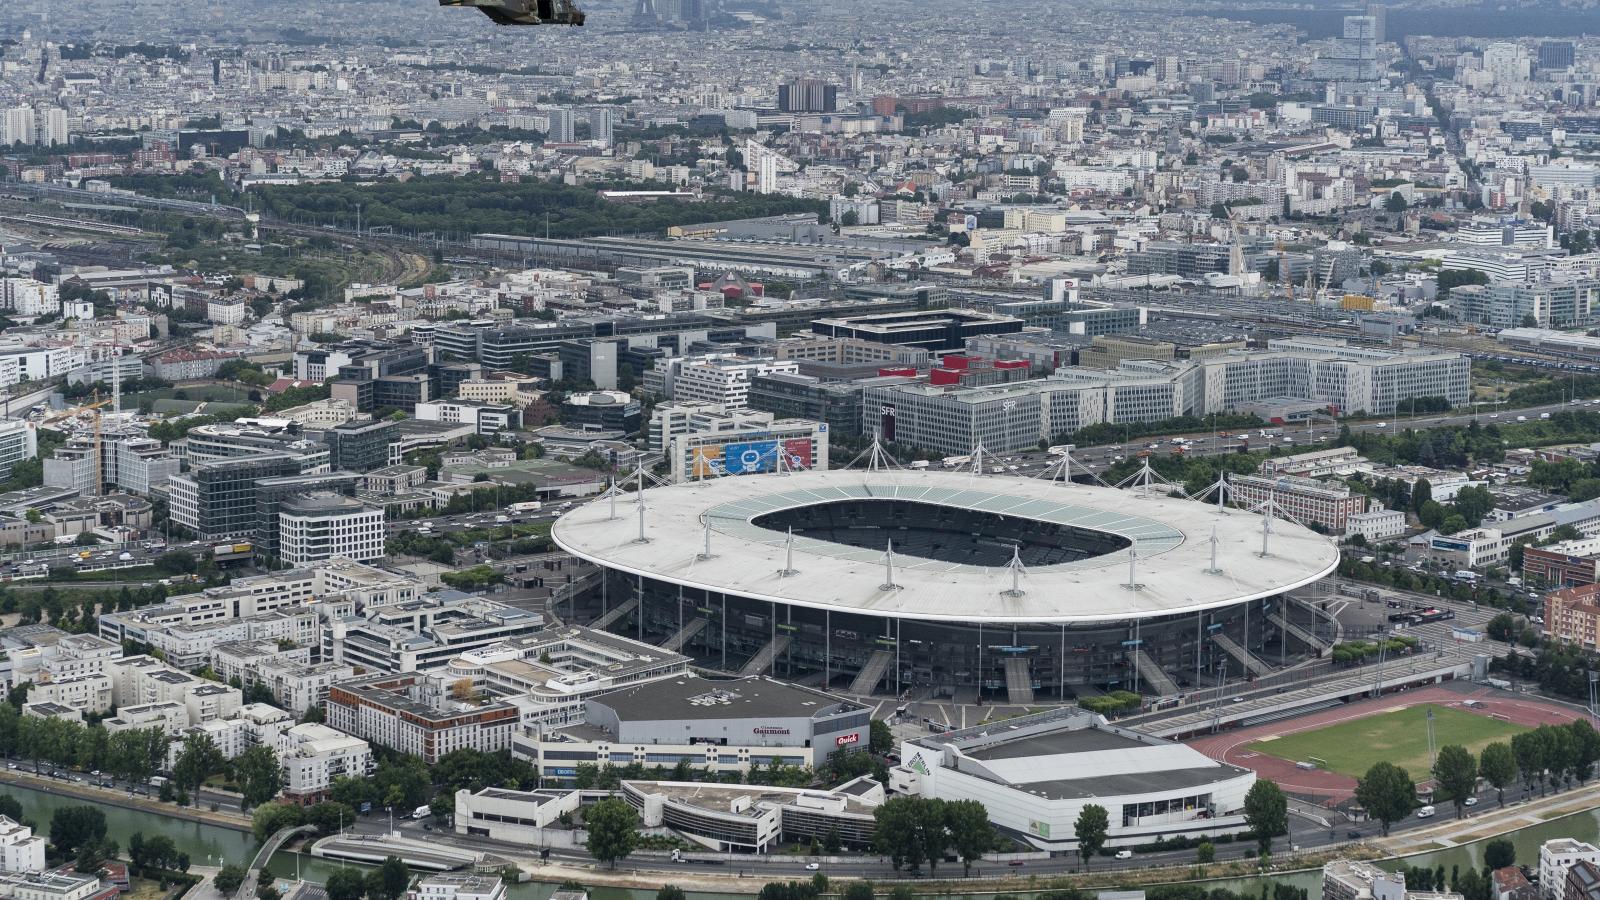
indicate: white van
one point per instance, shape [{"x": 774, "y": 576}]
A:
[
  {"x": 422, "y": 812},
  {"x": 1425, "y": 812}
]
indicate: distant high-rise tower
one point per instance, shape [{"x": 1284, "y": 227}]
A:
[
  {"x": 562, "y": 127},
  {"x": 1380, "y": 20},
  {"x": 1353, "y": 57},
  {"x": 600, "y": 121},
  {"x": 53, "y": 127},
  {"x": 1556, "y": 55},
  {"x": 17, "y": 126},
  {"x": 807, "y": 95},
  {"x": 646, "y": 13}
]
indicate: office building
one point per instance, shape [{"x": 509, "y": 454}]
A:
[
  {"x": 18, "y": 441},
  {"x": 1550, "y": 304},
  {"x": 1352, "y": 56},
  {"x": 128, "y": 460},
  {"x": 790, "y": 445},
  {"x": 602, "y": 411},
  {"x": 1556, "y": 55},
  {"x": 360, "y": 446},
  {"x": 425, "y": 633},
  {"x": 1186, "y": 260},
  {"x": 720, "y": 380},
  {"x": 790, "y": 396},
  {"x": 319, "y": 526},
  {"x": 217, "y": 499},
  {"x": 483, "y": 418},
  {"x": 807, "y": 95},
  {"x": 934, "y": 330}
]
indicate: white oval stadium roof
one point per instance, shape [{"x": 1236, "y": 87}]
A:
[{"x": 1172, "y": 539}]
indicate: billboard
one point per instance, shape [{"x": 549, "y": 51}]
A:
[
  {"x": 753, "y": 456},
  {"x": 797, "y": 454},
  {"x": 706, "y": 462}
]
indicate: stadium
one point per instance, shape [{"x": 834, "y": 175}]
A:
[{"x": 957, "y": 583}]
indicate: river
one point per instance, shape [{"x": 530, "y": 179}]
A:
[{"x": 214, "y": 845}]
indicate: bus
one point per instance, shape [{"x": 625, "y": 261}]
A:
[{"x": 950, "y": 462}]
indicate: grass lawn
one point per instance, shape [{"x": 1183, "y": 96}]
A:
[{"x": 1400, "y": 737}]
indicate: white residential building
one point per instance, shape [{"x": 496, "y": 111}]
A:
[
  {"x": 20, "y": 849},
  {"x": 1556, "y": 857},
  {"x": 1376, "y": 525},
  {"x": 313, "y": 755},
  {"x": 722, "y": 381}
]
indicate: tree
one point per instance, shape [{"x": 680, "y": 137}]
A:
[
  {"x": 613, "y": 830},
  {"x": 270, "y": 818},
  {"x": 1585, "y": 749},
  {"x": 970, "y": 832},
  {"x": 911, "y": 831},
  {"x": 74, "y": 826},
  {"x": 1090, "y": 830},
  {"x": 1396, "y": 203},
  {"x": 882, "y": 739},
  {"x": 1499, "y": 853},
  {"x": 670, "y": 892},
  {"x": 858, "y": 890},
  {"x": 346, "y": 884},
  {"x": 1267, "y": 810},
  {"x": 1455, "y": 773},
  {"x": 1387, "y": 793},
  {"x": 329, "y": 816},
  {"x": 389, "y": 880},
  {"x": 260, "y": 777},
  {"x": 199, "y": 760},
  {"x": 1205, "y": 853},
  {"x": 1498, "y": 766},
  {"x": 228, "y": 879}
]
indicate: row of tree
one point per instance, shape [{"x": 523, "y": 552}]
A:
[{"x": 913, "y": 830}]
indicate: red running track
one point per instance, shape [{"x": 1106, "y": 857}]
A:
[{"x": 1231, "y": 746}]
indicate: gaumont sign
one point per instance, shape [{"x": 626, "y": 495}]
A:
[
  {"x": 769, "y": 729},
  {"x": 853, "y": 737}
]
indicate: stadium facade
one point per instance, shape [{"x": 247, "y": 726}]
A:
[{"x": 969, "y": 585}]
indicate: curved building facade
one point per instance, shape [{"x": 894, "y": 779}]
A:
[{"x": 965, "y": 584}]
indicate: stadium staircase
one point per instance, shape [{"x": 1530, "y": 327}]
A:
[
  {"x": 765, "y": 656},
  {"x": 1298, "y": 633},
  {"x": 1155, "y": 679},
  {"x": 867, "y": 679},
  {"x": 684, "y": 635},
  {"x": 615, "y": 614},
  {"x": 1229, "y": 645},
  {"x": 1019, "y": 681}
]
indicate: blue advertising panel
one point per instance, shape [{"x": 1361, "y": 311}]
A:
[{"x": 755, "y": 456}]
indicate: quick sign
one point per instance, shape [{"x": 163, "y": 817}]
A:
[{"x": 842, "y": 740}]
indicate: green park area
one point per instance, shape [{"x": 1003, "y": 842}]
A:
[{"x": 1399, "y": 736}]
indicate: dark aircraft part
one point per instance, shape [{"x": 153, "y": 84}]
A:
[{"x": 525, "y": 12}]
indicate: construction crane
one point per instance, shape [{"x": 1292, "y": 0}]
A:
[{"x": 78, "y": 411}]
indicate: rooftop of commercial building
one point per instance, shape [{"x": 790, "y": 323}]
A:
[{"x": 691, "y": 698}]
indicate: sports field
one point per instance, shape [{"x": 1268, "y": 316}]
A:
[{"x": 1399, "y": 736}]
